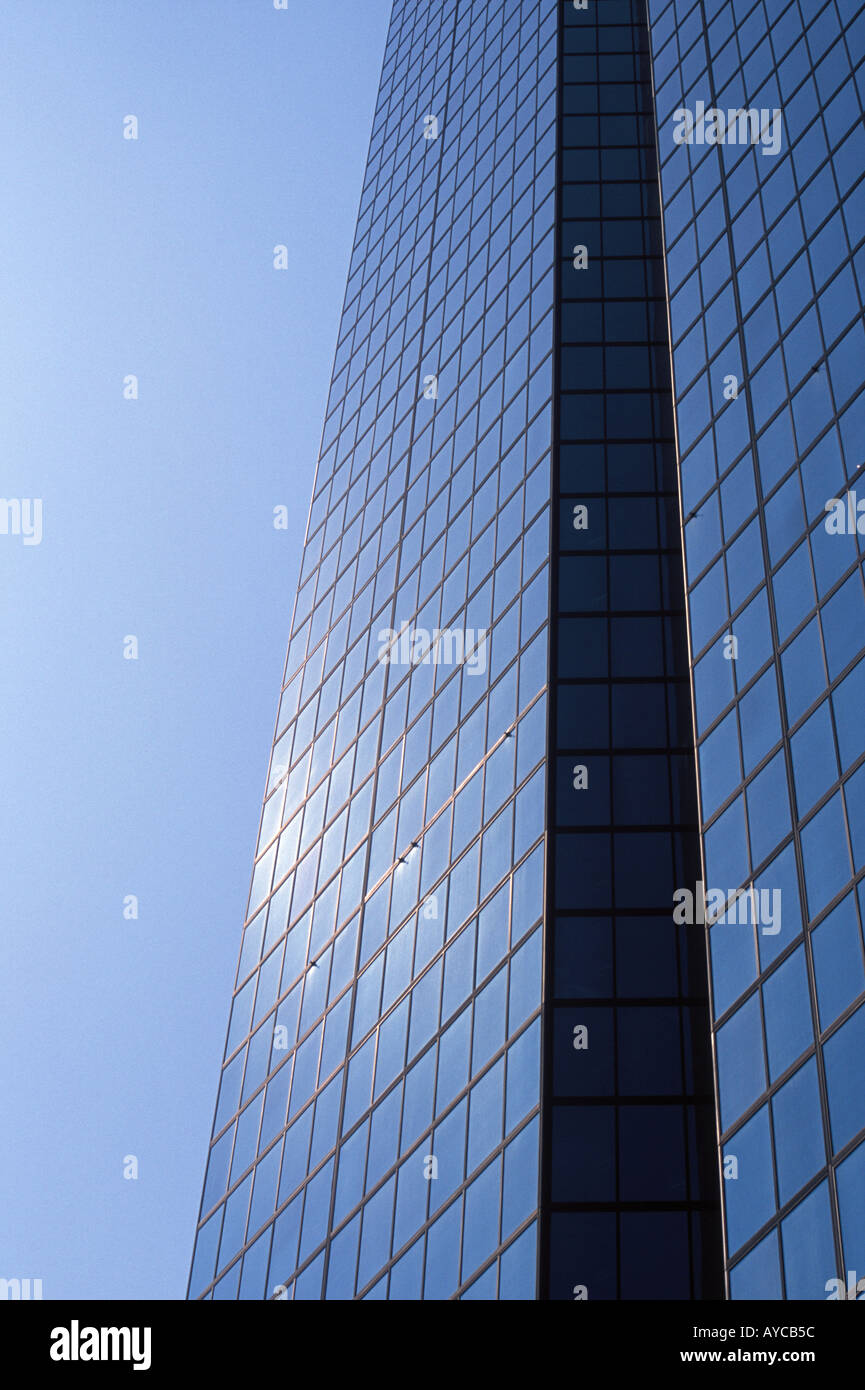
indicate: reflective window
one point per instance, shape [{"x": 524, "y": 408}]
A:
[
  {"x": 763, "y": 227},
  {"x": 385, "y": 1012}
]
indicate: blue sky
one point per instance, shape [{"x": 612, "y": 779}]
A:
[{"x": 151, "y": 257}]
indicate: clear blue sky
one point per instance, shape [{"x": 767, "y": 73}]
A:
[{"x": 152, "y": 257}]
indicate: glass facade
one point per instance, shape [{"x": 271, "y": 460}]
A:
[
  {"x": 766, "y": 270},
  {"x": 595, "y": 383},
  {"x": 377, "y": 1125},
  {"x": 631, "y": 1205}
]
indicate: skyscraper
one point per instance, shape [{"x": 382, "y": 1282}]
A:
[
  {"x": 764, "y": 211},
  {"x": 597, "y": 351}
]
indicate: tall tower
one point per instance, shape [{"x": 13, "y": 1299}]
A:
[
  {"x": 764, "y": 212},
  {"x": 553, "y": 549},
  {"x": 630, "y": 1195}
]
